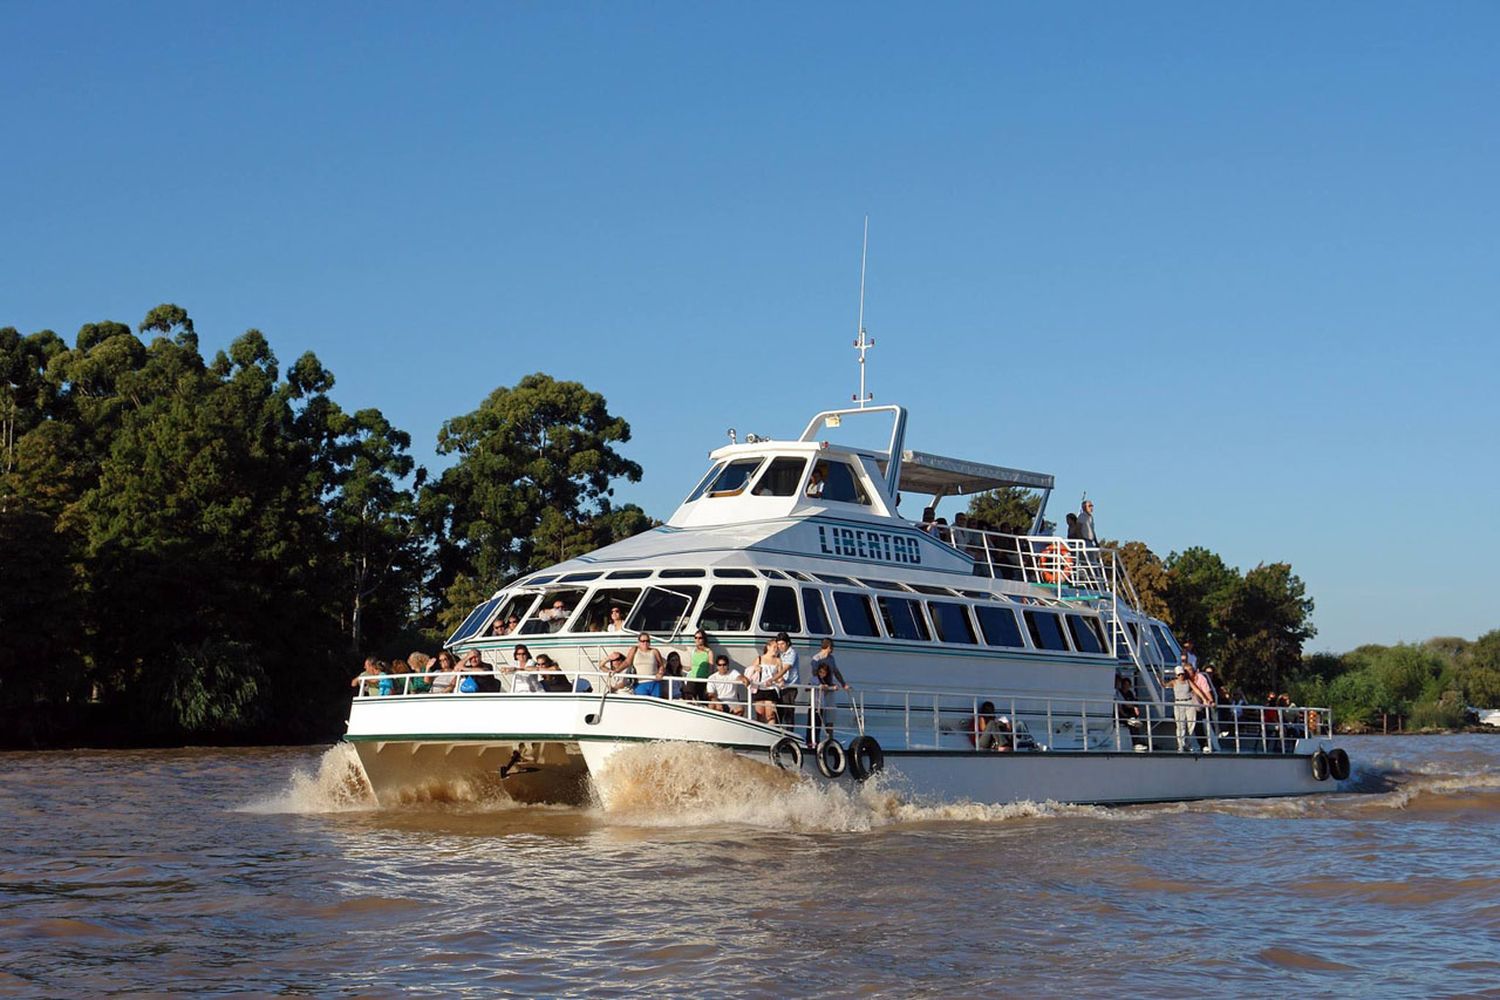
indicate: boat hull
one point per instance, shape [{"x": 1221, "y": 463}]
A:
[{"x": 543, "y": 748}]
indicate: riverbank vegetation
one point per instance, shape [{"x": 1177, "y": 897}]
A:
[{"x": 202, "y": 549}]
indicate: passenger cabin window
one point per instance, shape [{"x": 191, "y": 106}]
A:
[
  {"x": 1087, "y": 637},
  {"x": 548, "y": 617},
  {"x": 999, "y": 626},
  {"x": 903, "y": 618},
  {"x": 855, "y": 613},
  {"x": 629, "y": 574},
  {"x": 1046, "y": 631},
  {"x": 779, "y": 612},
  {"x": 663, "y": 609},
  {"x": 595, "y": 617},
  {"x": 731, "y": 482},
  {"x": 838, "y": 482},
  {"x": 951, "y": 622},
  {"x": 816, "y": 612},
  {"x": 780, "y": 478},
  {"x": 729, "y": 608}
]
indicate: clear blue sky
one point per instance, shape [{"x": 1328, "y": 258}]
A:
[{"x": 1230, "y": 268}]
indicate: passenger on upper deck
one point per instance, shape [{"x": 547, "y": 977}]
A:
[
  {"x": 722, "y": 685},
  {"x": 1086, "y": 522},
  {"x": 928, "y": 516},
  {"x": 1074, "y": 533}
]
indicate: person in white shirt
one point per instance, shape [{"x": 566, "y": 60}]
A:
[{"x": 723, "y": 687}]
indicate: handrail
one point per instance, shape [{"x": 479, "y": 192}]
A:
[{"x": 1040, "y": 722}]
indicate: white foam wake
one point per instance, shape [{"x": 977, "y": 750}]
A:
[
  {"x": 690, "y": 784},
  {"x": 338, "y": 785}
]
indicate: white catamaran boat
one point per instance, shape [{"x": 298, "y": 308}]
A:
[{"x": 981, "y": 666}]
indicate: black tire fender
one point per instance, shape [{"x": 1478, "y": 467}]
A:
[
  {"x": 865, "y": 757},
  {"x": 1320, "y": 766},
  {"x": 832, "y": 760},
  {"x": 1338, "y": 764},
  {"x": 786, "y": 753}
]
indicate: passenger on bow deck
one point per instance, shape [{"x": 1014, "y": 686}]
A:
[
  {"x": 400, "y": 676},
  {"x": 723, "y": 687},
  {"x": 477, "y": 675},
  {"x": 758, "y": 677},
  {"x": 552, "y": 679},
  {"x": 648, "y": 666},
  {"x": 672, "y": 676},
  {"x": 370, "y": 677},
  {"x": 419, "y": 682},
  {"x": 701, "y": 658},
  {"x": 787, "y": 679},
  {"x": 618, "y": 675},
  {"x": 445, "y": 679},
  {"x": 520, "y": 676}
]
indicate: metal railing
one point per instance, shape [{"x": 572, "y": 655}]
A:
[{"x": 903, "y": 719}]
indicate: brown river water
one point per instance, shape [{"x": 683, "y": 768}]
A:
[{"x": 265, "y": 871}]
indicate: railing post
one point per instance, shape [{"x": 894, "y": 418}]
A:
[{"x": 1050, "y": 738}]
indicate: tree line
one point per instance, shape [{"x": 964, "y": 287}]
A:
[
  {"x": 201, "y": 548},
  {"x": 197, "y": 548}
]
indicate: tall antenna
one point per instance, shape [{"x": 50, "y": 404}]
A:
[{"x": 863, "y": 343}]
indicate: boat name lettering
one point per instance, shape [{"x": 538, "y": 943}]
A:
[{"x": 869, "y": 545}]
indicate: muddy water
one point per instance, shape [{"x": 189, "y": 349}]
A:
[{"x": 202, "y": 871}]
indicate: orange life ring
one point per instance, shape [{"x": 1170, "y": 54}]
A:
[{"x": 1055, "y": 562}]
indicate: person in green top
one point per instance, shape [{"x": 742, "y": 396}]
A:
[{"x": 702, "y": 660}]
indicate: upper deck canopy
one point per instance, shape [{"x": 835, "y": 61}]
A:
[{"x": 934, "y": 475}]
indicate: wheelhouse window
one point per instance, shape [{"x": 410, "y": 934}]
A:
[
  {"x": 951, "y": 622},
  {"x": 903, "y": 618},
  {"x": 838, "y": 482},
  {"x": 1046, "y": 631},
  {"x": 815, "y": 612},
  {"x": 729, "y": 608},
  {"x": 1087, "y": 636},
  {"x": 663, "y": 609},
  {"x": 731, "y": 481},
  {"x": 595, "y": 616},
  {"x": 780, "y": 478},
  {"x": 999, "y": 626},
  {"x": 1169, "y": 651},
  {"x": 475, "y": 620},
  {"x": 855, "y": 613},
  {"x": 779, "y": 612},
  {"x": 708, "y": 477}
]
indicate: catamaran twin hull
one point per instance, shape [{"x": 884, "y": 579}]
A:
[{"x": 543, "y": 747}]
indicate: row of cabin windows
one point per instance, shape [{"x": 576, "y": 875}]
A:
[
  {"x": 733, "y": 607},
  {"x": 780, "y": 478}
]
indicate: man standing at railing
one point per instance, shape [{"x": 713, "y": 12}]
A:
[
  {"x": 787, "y": 678},
  {"x": 1086, "y": 522}
]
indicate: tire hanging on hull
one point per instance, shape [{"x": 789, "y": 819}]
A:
[
  {"x": 786, "y": 753},
  {"x": 865, "y": 758}
]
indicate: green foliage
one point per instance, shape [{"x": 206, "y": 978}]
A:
[
  {"x": 541, "y": 446},
  {"x": 1010, "y": 509},
  {"x": 1199, "y": 583},
  {"x": 1149, "y": 575}
]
